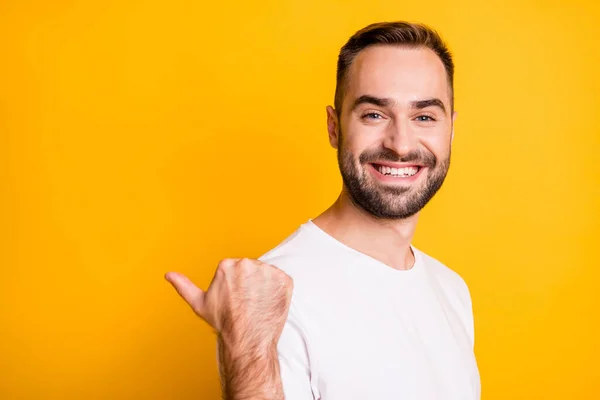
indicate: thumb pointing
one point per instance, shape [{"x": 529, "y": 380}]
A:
[{"x": 191, "y": 293}]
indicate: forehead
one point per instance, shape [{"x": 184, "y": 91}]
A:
[{"x": 400, "y": 73}]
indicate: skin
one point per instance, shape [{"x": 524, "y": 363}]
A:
[{"x": 248, "y": 301}]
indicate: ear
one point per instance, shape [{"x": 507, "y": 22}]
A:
[
  {"x": 333, "y": 127},
  {"x": 454, "y": 115}
]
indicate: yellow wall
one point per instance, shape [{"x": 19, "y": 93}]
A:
[{"x": 140, "y": 137}]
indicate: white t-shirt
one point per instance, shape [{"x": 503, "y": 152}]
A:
[{"x": 359, "y": 329}]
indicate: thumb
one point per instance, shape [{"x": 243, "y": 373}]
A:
[{"x": 191, "y": 293}]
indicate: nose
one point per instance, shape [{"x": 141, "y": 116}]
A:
[{"x": 400, "y": 138}]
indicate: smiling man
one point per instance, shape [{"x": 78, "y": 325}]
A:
[{"x": 370, "y": 316}]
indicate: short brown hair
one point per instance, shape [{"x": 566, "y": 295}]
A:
[{"x": 391, "y": 33}]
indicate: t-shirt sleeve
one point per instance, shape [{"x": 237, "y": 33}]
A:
[
  {"x": 469, "y": 311},
  {"x": 294, "y": 362}
]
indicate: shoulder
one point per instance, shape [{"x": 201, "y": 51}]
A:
[
  {"x": 449, "y": 281},
  {"x": 290, "y": 253},
  {"x": 445, "y": 275},
  {"x": 314, "y": 265},
  {"x": 301, "y": 254},
  {"x": 293, "y": 245}
]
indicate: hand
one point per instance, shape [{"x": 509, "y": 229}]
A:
[{"x": 247, "y": 301}]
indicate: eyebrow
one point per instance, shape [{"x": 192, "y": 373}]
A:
[
  {"x": 367, "y": 99},
  {"x": 420, "y": 104},
  {"x": 384, "y": 102}
]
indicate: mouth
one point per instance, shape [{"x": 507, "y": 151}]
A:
[{"x": 390, "y": 172}]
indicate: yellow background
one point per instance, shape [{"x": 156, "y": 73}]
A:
[{"x": 143, "y": 136}]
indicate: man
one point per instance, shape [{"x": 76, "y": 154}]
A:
[{"x": 371, "y": 317}]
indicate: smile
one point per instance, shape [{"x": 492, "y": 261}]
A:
[
  {"x": 392, "y": 172},
  {"x": 399, "y": 172}
]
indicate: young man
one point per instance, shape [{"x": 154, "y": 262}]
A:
[{"x": 370, "y": 317}]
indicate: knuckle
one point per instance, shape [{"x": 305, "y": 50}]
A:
[
  {"x": 269, "y": 267},
  {"x": 225, "y": 265},
  {"x": 245, "y": 263},
  {"x": 222, "y": 265}
]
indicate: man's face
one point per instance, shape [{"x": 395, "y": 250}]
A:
[{"x": 394, "y": 131}]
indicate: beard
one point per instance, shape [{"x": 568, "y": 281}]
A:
[{"x": 390, "y": 202}]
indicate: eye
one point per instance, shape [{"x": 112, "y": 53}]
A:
[
  {"x": 425, "y": 118},
  {"x": 372, "y": 115}
]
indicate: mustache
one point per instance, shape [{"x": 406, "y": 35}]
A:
[{"x": 418, "y": 156}]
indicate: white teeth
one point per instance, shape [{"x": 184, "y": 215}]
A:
[{"x": 402, "y": 172}]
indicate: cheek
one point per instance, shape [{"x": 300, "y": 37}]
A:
[
  {"x": 349, "y": 145},
  {"x": 359, "y": 144},
  {"x": 437, "y": 144},
  {"x": 359, "y": 137}
]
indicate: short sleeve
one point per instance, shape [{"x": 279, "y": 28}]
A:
[
  {"x": 470, "y": 317},
  {"x": 294, "y": 361}
]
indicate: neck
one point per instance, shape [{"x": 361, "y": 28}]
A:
[{"x": 387, "y": 241}]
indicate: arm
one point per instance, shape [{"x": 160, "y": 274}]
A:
[
  {"x": 281, "y": 373},
  {"x": 249, "y": 373}
]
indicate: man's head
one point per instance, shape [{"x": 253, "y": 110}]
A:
[{"x": 393, "y": 117}]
